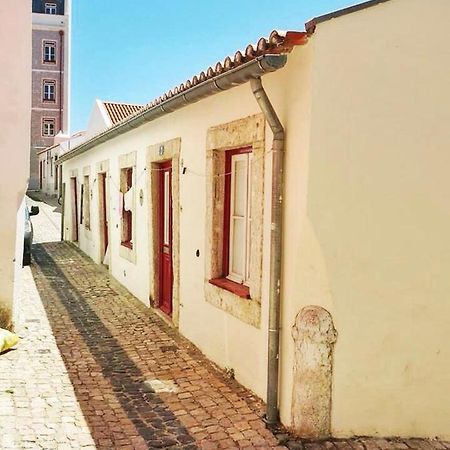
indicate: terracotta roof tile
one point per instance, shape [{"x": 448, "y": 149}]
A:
[
  {"x": 278, "y": 42},
  {"x": 120, "y": 111}
]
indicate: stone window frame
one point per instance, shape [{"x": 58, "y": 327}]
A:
[
  {"x": 87, "y": 218},
  {"x": 49, "y": 82},
  {"x": 51, "y": 8},
  {"x": 127, "y": 175},
  {"x": 48, "y": 121},
  {"x": 246, "y": 132},
  {"x": 49, "y": 43},
  {"x": 156, "y": 154},
  {"x": 126, "y": 161},
  {"x": 73, "y": 173},
  {"x": 102, "y": 167}
]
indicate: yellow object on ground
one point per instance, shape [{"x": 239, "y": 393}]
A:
[{"x": 7, "y": 340}]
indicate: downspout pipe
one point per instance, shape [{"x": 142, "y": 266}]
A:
[
  {"x": 272, "y": 413},
  {"x": 61, "y": 85}
]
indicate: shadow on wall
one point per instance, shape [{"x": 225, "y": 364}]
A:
[{"x": 117, "y": 405}]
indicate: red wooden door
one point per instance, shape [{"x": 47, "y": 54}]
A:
[
  {"x": 74, "y": 209},
  {"x": 165, "y": 237},
  {"x": 103, "y": 209}
]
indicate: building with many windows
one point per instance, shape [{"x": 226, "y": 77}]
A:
[
  {"x": 104, "y": 114},
  {"x": 50, "y": 78}
]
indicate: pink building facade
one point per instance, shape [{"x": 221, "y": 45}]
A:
[{"x": 50, "y": 79}]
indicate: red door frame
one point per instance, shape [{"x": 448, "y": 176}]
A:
[
  {"x": 165, "y": 288},
  {"x": 73, "y": 188},
  {"x": 103, "y": 209}
]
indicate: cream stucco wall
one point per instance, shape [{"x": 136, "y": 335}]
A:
[
  {"x": 373, "y": 245},
  {"x": 365, "y": 107},
  {"x": 15, "y": 92}
]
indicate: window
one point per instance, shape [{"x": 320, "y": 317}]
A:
[
  {"x": 126, "y": 185},
  {"x": 49, "y": 91},
  {"x": 87, "y": 203},
  {"x": 50, "y": 8},
  {"x": 49, "y": 52},
  {"x": 237, "y": 216},
  {"x": 48, "y": 127}
]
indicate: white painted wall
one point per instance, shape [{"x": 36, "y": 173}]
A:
[
  {"x": 49, "y": 182},
  {"x": 98, "y": 121},
  {"x": 17, "y": 289},
  {"x": 15, "y": 91}
]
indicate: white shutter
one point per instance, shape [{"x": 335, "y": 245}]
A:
[{"x": 240, "y": 218}]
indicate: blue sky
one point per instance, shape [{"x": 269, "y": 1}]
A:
[{"x": 134, "y": 51}]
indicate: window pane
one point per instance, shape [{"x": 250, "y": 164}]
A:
[
  {"x": 237, "y": 263},
  {"x": 240, "y": 187}
]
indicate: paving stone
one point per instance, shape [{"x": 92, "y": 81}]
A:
[
  {"x": 111, "y": 344},
  {"x": 88, "y": 348}
]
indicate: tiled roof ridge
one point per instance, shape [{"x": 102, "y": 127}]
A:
[
  {"x": 123, "y": 103},
  {"x": 118, "y": 112},
  {"x": 278, "y": 42}
]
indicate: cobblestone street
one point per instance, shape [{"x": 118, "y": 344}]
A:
[
  {"x": 111, "y": 345},
  {"x": 96, "y": 369}
]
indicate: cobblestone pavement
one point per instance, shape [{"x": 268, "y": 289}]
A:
[
  {"x": 112, "y": 344},
  {"x": 47, "y": 224},
  {"x": 38, "y": 405},
  {"x": 370, "y": 444},
  {"x": 96, "y": 369}
]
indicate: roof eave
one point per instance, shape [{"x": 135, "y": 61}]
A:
[
  {"x": 256, "y": 68},
  {"x": 310, "y": 26}
]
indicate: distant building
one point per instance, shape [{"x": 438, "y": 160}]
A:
[
  {"x": 50, "y": 77},
  {"x": 15, "y": 92},
  {"x": 103, "y": 116}
]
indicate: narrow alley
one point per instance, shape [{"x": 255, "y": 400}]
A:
[
  {"x": 111, "y": 345},
  {"x": 97, "y": 370}
]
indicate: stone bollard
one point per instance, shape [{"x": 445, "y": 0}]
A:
[{"x": 314, "y": 337}]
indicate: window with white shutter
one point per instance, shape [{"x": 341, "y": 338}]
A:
[{"x": 238, "y": 215}]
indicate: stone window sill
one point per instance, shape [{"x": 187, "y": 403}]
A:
[
  {"x": 238, "y": 289},
  {"x": 127, "y": 244}
]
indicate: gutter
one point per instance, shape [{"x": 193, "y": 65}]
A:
[
  {"x": 278, "y": 149},
  {"x": 242, "y": 74}
]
